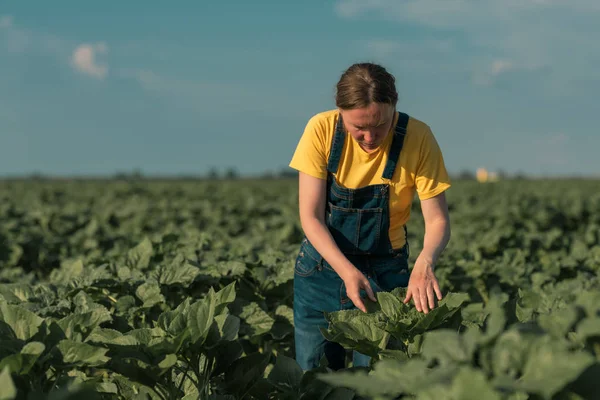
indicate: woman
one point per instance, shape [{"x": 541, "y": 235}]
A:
[{"x": 359, "y": 167}]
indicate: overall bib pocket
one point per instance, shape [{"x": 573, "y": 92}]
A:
[{"x": 355, "y": 230}]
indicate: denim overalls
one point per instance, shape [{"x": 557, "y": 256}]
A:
[{"x": 359, "y": 220}]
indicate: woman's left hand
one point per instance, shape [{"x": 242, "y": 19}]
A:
[{"x": 421, "y": 287}]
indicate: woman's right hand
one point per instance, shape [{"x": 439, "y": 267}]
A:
[
  {"x": 312, "y": 195},
  {"x": 354, "y": 280}
]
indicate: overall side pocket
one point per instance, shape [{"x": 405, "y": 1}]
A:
[{"x": 306, "y": 263}]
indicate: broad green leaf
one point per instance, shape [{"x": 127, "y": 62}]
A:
[
  {"x": 223, "y": 297},
  {"x": 24, "y": 323},
  {"x": 589, "y": 327},
  {"x": 226, "y": 328},
  {"x": 511, "y": 350},
  {"x": 126, "y": 304},
  {"x": 200, "y": 316},
  {"x": 82, "y": 354},
  {"x": 244, "y": 372},
  {"x": 391, "y": 305},
  {"x": 447, "y": 347},
  {"x": 286, "y": 374},
  {"x": 106, "y": 387},
  {"x": 78, "y": 326},
  {"x": 103, "y": 335},
  {"x": 16, "y": 293},
  {"x": 551, "y": 366},
  {"x": 139, "y": 256},
  {"x": 471, "y": 384},
  {"x": 8, "y": 391},
  {"x": 69, "y": 270},
  {"x": 21, "y": 363},
  {"x": 169, "y": 361},
  {"x": 149, "y": 293},
  {"x": 339, "y": 394},
  {"x": 285, "y": 312},
  {"x": 175, "y": 321},
  {"x": 390, "y": 378},
  {"x": 224, "y": 354},
  {"x": 179, "y": 271},
  {"x": 559, "y": 322},
  {"x": 258, "y": 320},
  {"x": 356, "y": 330}
]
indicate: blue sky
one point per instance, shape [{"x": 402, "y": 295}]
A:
[{"x": 96, "y": 88}]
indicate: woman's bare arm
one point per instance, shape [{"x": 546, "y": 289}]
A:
[
  {"x": 312, "y": 218},
  {"x": 423, "y": 286}
]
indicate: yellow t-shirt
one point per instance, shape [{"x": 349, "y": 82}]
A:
[{"x": 420, "y": 167}]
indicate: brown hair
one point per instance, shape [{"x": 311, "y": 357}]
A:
[{"x": 365, "y": 83}]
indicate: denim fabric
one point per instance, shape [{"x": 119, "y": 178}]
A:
[
  {"x": 318, "y": 288},
  {"x": 359, "y": 221}
]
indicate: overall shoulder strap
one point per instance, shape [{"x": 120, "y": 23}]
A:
[
  {"x": 396, "y": 147},
  {"x": 337, "y": 145}
]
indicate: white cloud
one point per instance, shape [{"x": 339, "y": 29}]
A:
[
  {"x": 6, "y": 21},
  {"x": 501, "y": 38},
  {"x": 15, "y": 40},
  {"x": 19, "y": 40},
  {"x": 501, "y": 66},
  {"x": 455, "y": 13},
  {"x": 84, "y": 60}
]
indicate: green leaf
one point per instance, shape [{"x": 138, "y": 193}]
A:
[
  {"x": 511, "y": 350},
  {"x": 8, "y": 391},
  {"x": 103, "y": 335},
  {"x": 244, "y": 372},
  {"x": 23, "y": 323},
  {"x": 390, "y": 378},
  {"x": 286, "y": 375},
  {"x": 391, "y": 305},
  {"x": 200, "y": 317},
  {"x": 356, "y": 330},
  {"x": 226, "y": 328},
  {"x": 223, "y": 297},
  {"x": 78, "y": 326},
  {"x": 149, "y": 293},
  {"x": 339, "y": 394},
  {"x": 551, "y": 366},
  {"x": 447, "y": 347},
  {"x": 16, "y": 293},
  {"x": 224, "y": 354},
  {"x": 471, "y": 384},
  {"x": 258, "y": 320},
  {"x": 21, "y": 363},
  {"x": 559, "y": 322},
  {"x": 69, "y": 270},
  {"x": 179, "y": 271},
  {"x": 82, "y": 354},
  {"x": 139, "y": 256},
  {"x": 589, "y": 327},
  {"x": 169, "y": 361},
  {"x": 175, "y": 321}
]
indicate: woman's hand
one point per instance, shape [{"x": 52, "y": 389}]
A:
[
  {"x": 354, "y": 280},
  {"x": 421, "y": 287}
]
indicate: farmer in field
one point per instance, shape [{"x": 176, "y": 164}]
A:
[{"x": 359, "y": 167}]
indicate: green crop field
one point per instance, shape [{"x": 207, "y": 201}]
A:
[{"x": 183, "y": 290}]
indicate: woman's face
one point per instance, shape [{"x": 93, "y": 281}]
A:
[{"x": 369, "y": 126}]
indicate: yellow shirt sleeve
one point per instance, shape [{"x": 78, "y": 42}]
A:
[
  {"x": 431, "y": 177},
  {"x": 310, "y": 156}
]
